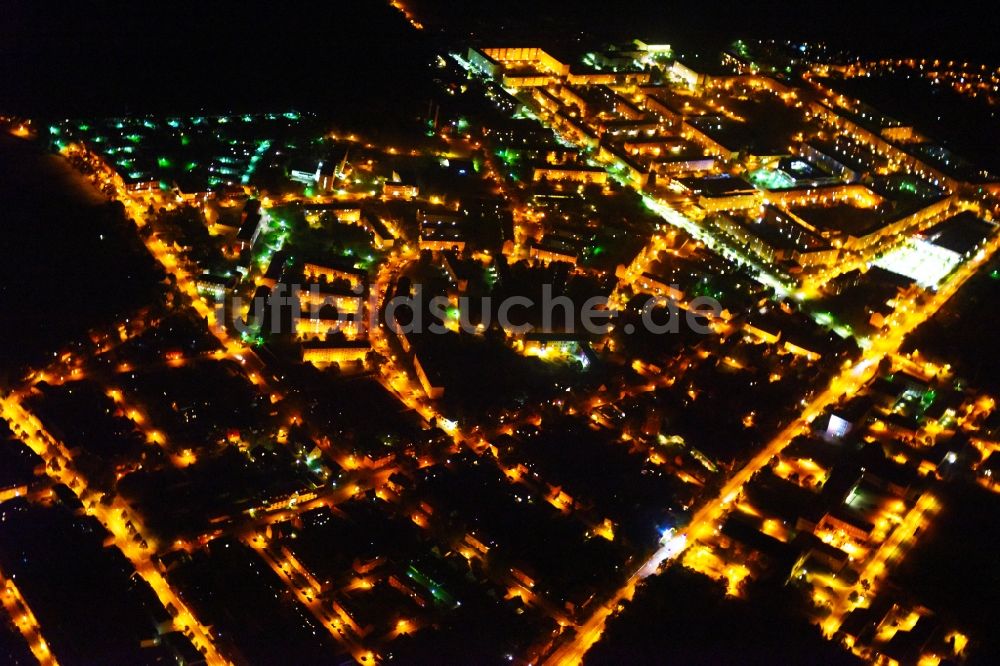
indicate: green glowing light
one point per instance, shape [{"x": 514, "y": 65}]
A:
[
  {"x": 928, "y": 398},
  {"x": 163, "y": 162},
  {"x": 771, "y": 179}
]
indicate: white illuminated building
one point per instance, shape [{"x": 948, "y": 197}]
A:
[{"x": 921, "y": 260}]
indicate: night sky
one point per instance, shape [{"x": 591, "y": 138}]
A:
[{"x": 98, "y": 58}]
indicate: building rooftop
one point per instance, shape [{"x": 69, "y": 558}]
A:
[
  {"x": 718, "y": 186},
  {"x": 961, "y": 234}
]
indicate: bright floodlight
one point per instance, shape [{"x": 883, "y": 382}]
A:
[{"x": 927, "y": 264}]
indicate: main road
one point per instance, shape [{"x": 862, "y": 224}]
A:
[{"x": 905, "y": 318}]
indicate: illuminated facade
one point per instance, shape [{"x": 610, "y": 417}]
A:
[
  {"x": 322, "y": 353},
  {"x": 586, "y": 175}
]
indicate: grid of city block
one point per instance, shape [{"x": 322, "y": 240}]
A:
[{"x": 608, "y": 352}]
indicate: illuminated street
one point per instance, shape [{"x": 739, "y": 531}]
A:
[{"x": 409, "y": 333}]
